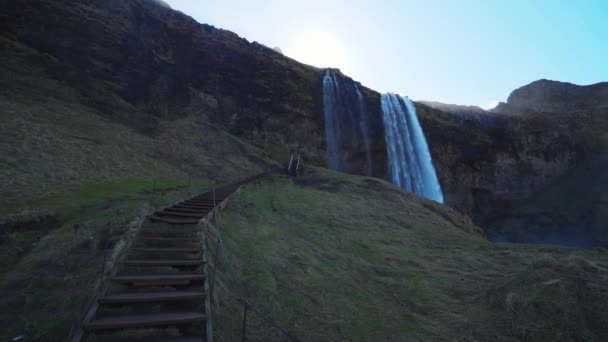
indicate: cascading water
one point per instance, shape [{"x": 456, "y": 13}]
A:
[
  {"x": 331, "y": 107},
  {"x": 409, "y": 160},
  {"x": 364, "y": 127},
  {"x": 345, "y": 122}
]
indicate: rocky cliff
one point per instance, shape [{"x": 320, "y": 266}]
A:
[
  {"x": 151, "y": 58},
  {"x": 486, "y": 160},
  {"x": 560, "y": 97},
  {"x": 141, "y": 63}
]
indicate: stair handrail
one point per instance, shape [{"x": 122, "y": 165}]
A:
[
  {"x": 298, "y": 164},
  {"x": 289, "y": 165},
  {"x": 218, "y": 260}
]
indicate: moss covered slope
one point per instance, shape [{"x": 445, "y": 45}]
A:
[
  {"x": 53, "y": 135},
  {"x": 336, "y": 257}
]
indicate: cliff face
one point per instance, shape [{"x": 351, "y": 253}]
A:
[
  {"x": 163, "y": 62},
  {"x": 560, "y": 97},
  {"x": 488, "y": 159},
  {"x": 484, "y": 161},
  {"x": 140, "y": 56},
  {"x": 140, "y": 63}
]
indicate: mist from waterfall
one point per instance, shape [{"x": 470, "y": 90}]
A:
[
  {"x": 346, "y": 126},
  {"x": 409, "y": 160}
]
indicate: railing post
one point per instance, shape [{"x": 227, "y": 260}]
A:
[
  {"x": 216, "y": 265},
  {"x": 244, "y": 330},
  {"x": 214, "y": 195},
  {"x": 289, "y": 165}
]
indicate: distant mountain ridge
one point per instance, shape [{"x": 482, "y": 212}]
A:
[
  {"x": 454, "y": 108},
  {"x": 553, "y": 96}
]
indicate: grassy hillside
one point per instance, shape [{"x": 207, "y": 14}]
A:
[
  {"x": 328, "y": 256},
  {"x": 52, "y": 136},
  {"x": 52, "y": 249},
  {"x": 341, "y": 258},
  {"x": 77, "y": 177}
]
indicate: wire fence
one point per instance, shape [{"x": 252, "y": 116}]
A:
[{"x": 216, "y": 262}]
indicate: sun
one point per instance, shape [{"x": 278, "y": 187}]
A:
[{"x": 318, "y": 48}]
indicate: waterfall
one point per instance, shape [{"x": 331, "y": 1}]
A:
[
  {"x": 346, "y": 127},
  {"x": 409, "y": 160},
  {"x": 332, "y": 124},
  {"x": 364, "y": 127}
]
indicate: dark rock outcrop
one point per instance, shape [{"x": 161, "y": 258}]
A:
[
  {"x": 484, "y": 161},
  {"x": 143, "y": 58},
  {"x": 560, "y": 97},
  {"x": 161, "y": 61}
]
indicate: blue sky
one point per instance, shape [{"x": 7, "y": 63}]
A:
[{"x": 463, "y": 52}]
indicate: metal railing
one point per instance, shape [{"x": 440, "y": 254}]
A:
[
  {"x": 293, "y": 169},
  {"x": 217, "y": 262}
]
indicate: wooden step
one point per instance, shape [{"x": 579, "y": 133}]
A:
[
  {"x": 203, "y": 203},
  {"x": 174, "y": 214},
  {"x": 186, "y": 210},
  {"x": 159, "y": 279},
  {"x": 206, "y": 201},
  {"x": 190, "y": 207},
  {"x": 167, "y": 250},
  {"x": 145, "y": 297},
  {"x": 161, "y": 262},
  {"x": 194, "y": 205},
  {"x": 184, "y": 230},
  {"x": 218, "y": 198},
  {"x": 180, "y": 339},
  {"x": 168, "y": 239},
  {"x": 153, "y": 338},
  {"x": 146, "y": 320},
  {"x": 195, "y": 237},
  {"x": 173, "y": 220}
]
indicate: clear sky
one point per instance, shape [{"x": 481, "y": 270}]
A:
[{"x": 462, "y": 52}]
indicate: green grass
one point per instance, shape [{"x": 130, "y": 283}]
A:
[
  {"x": 90, "y": 168},
  {"x": 54, "y": 139},
  {"x": 328, "y": 256},
  {"x": 49, "y": 277},
  {"x": 68, "y": 202},
  {"x": 334, "y": 257}
]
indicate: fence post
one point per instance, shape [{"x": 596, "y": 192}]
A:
[
  {"x": 244, "y": 330},
  {"x": 297, "y": 166},
  {"x": 216, "y": 266},
  {"x": 289, "y": 165},
  {"x": 214, "y": 194}
]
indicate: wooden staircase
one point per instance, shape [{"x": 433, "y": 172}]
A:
[{"x": 158, "y": 290}]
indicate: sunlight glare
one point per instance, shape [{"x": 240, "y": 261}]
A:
[{"x": 318, "y": 48}]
